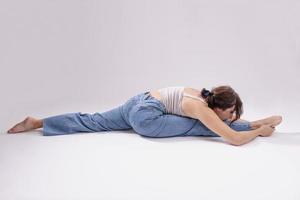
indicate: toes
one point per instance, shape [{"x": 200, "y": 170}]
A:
[
  {"x": 277, "y": 120},
  {"x": 22, "y": 126},
  {"x": 14, "y": 129},
  {"x": 10, "y": 131}
]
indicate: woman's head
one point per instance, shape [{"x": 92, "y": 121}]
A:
[{"x": 224, "y": 101}]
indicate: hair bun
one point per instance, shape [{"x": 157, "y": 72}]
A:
[{"x": 206, "y": 93}]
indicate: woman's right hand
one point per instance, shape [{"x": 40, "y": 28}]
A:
[{"x": 266, "y": 130}]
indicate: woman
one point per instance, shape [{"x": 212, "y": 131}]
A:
[{"x": 167, "y": 112}]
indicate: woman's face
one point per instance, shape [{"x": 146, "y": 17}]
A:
[{"x": 225, "y": 114}]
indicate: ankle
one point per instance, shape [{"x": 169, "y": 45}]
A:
[
  {"x": 38, "y": 123},
  {"x": 255, "y": 125}
]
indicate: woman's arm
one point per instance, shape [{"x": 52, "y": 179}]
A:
[{"x": 211, "y": 120}]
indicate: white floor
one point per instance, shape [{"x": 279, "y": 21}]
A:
[{"x": 124, "y": 165}]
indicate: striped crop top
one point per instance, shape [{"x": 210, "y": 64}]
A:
[{"x": 171, "y": 97}]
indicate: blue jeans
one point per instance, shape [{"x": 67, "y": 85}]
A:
[{"x": 142, "y": 113}]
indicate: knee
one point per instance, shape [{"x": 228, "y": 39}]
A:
[
  {"x": 142, "y": 120},
  {"x": 143, "y": 127}
]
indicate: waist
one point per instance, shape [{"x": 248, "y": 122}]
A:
[{"x": 155, "y": 94}]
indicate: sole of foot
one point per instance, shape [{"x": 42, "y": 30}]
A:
[
  {"x": 274, "y": 120},
  {"x": 27, "y": 124},
  {"x": 277, "y": 120}
]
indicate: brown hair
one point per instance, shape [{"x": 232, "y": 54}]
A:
[{"x": 223, "y": 97}]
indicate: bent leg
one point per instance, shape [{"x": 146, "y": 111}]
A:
[
  {"x": 83, "y": 122},
  {"x": 163, "y": 125},
  {"x": 149, "y": 119}
]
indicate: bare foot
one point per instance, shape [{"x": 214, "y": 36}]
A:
[
  {"x": 272, "y": 121},
  {"x": 27, "y": 124}
]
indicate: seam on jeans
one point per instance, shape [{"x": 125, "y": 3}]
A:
[
  {"x": 83, "y": 124},
  {"x": 107, "y": 122},
  {"x": 114, "y": 122},
  {"x": 151, "y": 118},
  {"x": 123, "y": 116},
  {"x": 191, "y": 127},
  {"x": 157, "y": 127}
]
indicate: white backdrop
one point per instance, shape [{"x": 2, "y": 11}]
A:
[
  {"x": 68, "y": 56},
  {"x": 60, "y": 56}
]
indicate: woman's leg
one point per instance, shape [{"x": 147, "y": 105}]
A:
[
  {"x": 148, "y": 118},
  {"x": 238, "y": 125},
  {"x": 79, "y": 122},
  {"x": 84, "y": 122},
  {"x": 152, "y": 122},
  {"x": 115, "y": 119},
  {"x": 273, "y": 121}
]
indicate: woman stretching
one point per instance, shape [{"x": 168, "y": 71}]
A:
[{"x": 167, "y": 112}]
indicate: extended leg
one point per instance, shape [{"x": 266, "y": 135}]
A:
[
  {"x": 149, "y": 120},
  {"x": 84, "y": 122},
  {"x": 115, "y": 119},
  {"x": 75, "y": 122}
]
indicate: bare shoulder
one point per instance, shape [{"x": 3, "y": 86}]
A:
[
  {"x": 199, "y": 110},
  {"x": 190, "y": 105},
  {"x": 212, "y": 121}
]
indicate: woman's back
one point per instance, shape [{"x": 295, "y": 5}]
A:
[{"x": 178, "y": 100}]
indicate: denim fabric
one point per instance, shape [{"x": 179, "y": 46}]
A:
[{"x": 142, "y": 113}]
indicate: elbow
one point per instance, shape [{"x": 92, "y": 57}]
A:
[{"x": 236, "y": 141}]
